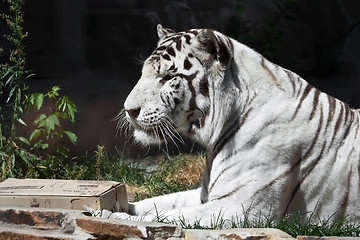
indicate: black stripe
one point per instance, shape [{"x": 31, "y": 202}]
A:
[
  {"x": 263, "y": 64},
  {"x": 300, "y": 160},
  {"x": 337, "y": 124},
  {"x": 225, "y": 137},
  {"x": 230, "y": 193},
  {"x": 345, "y": 201},
  {"x": 357, "y": 128},
  {"x": 173, "y": 37},
  {"x": 172, "y": 67},
  {"x": 192, "y": 32},
  {"x": 171, "y": 51},
  {"x": 297, "y": 187},
  {"x": 292, "y": 81},
  {"x": 349, "y": 124},
  {"x": 187, "y": 39},
  {"x": 315, "y": 102},
  {"x": 220, "y": 174},
  {"x": 162, "y": 99},
  {"x": 165, "y": 79},
  {"x": 204, "y": 87},
  {"x": 332, "y": 109},
  {"x": 300, "y": 87},
  {"x": 190, "y": 78},
  {"x": 305, "y": 93},
  {"x": 203, "y": 118},
  {"x": 167, "y": 57},
  {"x": 178, "y": 44},
  {"x": 243, "y": 119},
  {"x": 187, "y": 64},
  {"x": 347, "y": 111}
]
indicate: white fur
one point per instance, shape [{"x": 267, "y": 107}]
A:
[{"x": 256, "y": 168}]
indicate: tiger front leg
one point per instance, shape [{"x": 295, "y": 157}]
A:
[
  {"x": 210, "y": 214},
  {"x": 152, "y": 207}
]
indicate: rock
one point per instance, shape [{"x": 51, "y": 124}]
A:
[
  {"x": 238, "y": 234},
  {"x": 58, "y": 224}
]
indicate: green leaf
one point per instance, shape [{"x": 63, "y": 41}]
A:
[
  {"x": 24, "y": 157},
  {"x": 29, "y": 75},
  {"x": 40, "y": 120},
  {"x": 22, "y": 122},
  {"x": 39, "y": 99},
  {"x": 71, "y": 114},
  {"x": 13, "y": 159},
  {"x": 9, "y": 79},
  {"x": 35, "y": 134},
  {"x": 72, "y": 136},
  {"x": 3, "y": 154},
  {"x": 10, "y": 70},
  {"x": 64, "y": 151},
  {"x": 24, "y": 140},
  {"x": 54, "y": 92},
  {"x": 11, "y": 93},
  {"x": 50, "y": 123},
  {"x": 41, "y": 145},
  {"x": 3, "y": 166},
  {"x": 54, "y": 120},
  {"x": 56, "y": 88}
]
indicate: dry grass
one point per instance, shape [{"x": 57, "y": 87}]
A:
[
  {"x": 189, "y": 169},
  {"x": 173, "y": 174}
]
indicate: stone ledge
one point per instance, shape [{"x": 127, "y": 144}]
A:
[
  {"x": 60, "y": 224},
  {"x": 326, "y": 238},
  {"x": 238, "y": 234}
]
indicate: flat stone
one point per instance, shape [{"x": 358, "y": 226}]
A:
[
  {"x": 37, "y": 223},
  {"x": 20, "y": 232},
  {"x": 43, "y": 219},
  {"x": 20, "y": 223},
  {"x": 238, "y": 234},
  {"x": 110, "y": 228},
  {"x": 326, "y": 238},
  {"x": 100, "y": 227}
]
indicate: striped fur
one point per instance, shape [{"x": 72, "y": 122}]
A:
[{"x": 274, "y": 142}]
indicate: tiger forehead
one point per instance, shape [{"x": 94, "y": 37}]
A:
[
  {"x": 172, "y": 44},
  {"x": 168, "y": 49}
]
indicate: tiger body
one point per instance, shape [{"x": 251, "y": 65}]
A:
[{"x": 275, "y": 144}]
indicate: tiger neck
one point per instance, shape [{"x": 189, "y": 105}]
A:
[{"x": 249, "y": 80}]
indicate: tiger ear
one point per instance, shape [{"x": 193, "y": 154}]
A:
[
  {"x": 214, "y": 46},
  {"x": 163, "y": 32}
]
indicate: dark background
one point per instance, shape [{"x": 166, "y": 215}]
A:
[{"x": 94, "y": 49}]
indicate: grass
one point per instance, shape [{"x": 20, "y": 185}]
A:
[
  {"x": 170, "y": 174},
  {"x": 183, "y": 172},
  {"x": 178, "y": 173}
]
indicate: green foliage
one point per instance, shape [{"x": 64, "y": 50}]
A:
[
  {"x": 48, "y": 125},
  {"x": 105, "y": 166},
  {"x": 20, "y": 157},
  {"x": 49, "y": 133},
  {"x": 12, "y": 87}
]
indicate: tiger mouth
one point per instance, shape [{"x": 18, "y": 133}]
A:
[{"x": 163, "y": 131}]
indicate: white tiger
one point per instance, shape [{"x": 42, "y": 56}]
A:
[{"x": 275, "y": 144}]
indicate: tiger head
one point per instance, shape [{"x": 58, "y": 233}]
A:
[{"x": 173, "y": 93}]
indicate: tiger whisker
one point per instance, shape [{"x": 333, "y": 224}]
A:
[
  {"x": 157, "y": 135},
  {"x": 170, "y": 134},
  {"x": 122, "y": 123},
  {"x": 171, "y": 130},
  {"x": 175, "y": 132},
  {"x": 164, "y": 137}
]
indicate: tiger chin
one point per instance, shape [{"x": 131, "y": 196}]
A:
[{"x": 275, "y": 144}]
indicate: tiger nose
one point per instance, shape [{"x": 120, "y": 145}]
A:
[{"x": 134, "y": 112}]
